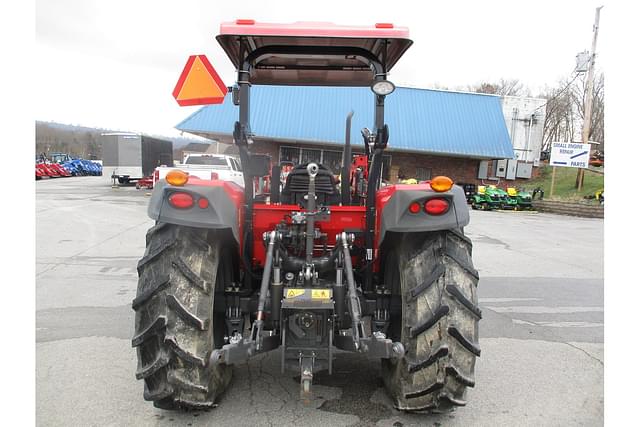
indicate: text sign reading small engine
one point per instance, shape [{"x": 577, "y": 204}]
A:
[{"x": 570, "y": 154}]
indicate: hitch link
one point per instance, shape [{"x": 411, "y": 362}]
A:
[
  {"x": 256, "y": 330},
  {"x": 376, "y": 345},
  {"x": 354, "y": 302},
  {"x": 239, "y": 350}
]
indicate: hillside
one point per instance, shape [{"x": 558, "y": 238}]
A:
[
  {"x": 84, "y": 141},
  {"x": 564, "y": 187}
]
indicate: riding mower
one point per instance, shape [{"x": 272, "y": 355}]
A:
[
  {"x": 485, "y": 199},
  {"x": 506, "y": 202},
  {"x": 522, "y": 199},
  {"x": 385, "y": 272}
]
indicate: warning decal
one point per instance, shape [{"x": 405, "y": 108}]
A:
[
  {"x": 293, "y": 293},
  {"x": 320, "y": 294}
]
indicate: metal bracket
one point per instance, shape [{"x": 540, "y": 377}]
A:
[
  {"x": 377, "y": 346},
  {"x": 240, "y": 350},
  {"x": 306, "y": 376},
  {"x": 236, "y": 352}
]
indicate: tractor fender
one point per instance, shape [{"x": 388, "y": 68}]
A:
[
  {"x": 221, "y": 211},
  {"x": 396, "y": 217}
]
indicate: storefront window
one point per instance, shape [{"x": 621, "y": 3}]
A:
[
  {"x": 310, "y": 155},
  {"x": 332, "y": 160},
  {"x": 423, "y": 174},
  {"x": 290, "y": 154}
]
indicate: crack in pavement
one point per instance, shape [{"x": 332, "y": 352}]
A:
[{"x": 585, "y": 352}]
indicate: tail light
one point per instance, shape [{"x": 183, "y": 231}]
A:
[
  {"x": 156, "y": 176},
  {"x": 180, "y": 200},
  {"x": 214, "y": 175},
  {"x": 414, "y": 207},
  {"x": 203, "y": 203},
  {"x": 436, "y": 206}
]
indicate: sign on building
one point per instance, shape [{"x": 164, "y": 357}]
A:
[{"x": 570, "y": 154}]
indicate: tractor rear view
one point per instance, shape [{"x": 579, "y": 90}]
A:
[{"x": 316, "y": 266}]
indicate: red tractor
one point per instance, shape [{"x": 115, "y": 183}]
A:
[{"x": 316, "y": 266}]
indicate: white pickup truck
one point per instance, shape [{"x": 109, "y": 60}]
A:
[{"x": 206, "y": 166}]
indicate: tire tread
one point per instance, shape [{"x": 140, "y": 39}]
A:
[
  {"x": 444, "y": 326},
  {"x": 172, "y": 336}
]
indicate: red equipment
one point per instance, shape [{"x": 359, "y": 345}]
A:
[
  {"x": 231, "y": 272},
  {"x": 145, "y": 182}
]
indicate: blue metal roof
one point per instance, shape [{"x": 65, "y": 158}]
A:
[{"x": 420, "y": 120}]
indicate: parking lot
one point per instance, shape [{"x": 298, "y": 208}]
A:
[{"x": 542, "y": 332}]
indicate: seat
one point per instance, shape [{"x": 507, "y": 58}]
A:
[{"x": 297, "y": 186}]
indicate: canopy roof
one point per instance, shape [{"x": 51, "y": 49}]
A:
[{"x": 313, "y": 53}]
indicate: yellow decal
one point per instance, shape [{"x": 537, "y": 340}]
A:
[
  {"x": 320, "y": 294},
  {"x": 292, "y": 293}
]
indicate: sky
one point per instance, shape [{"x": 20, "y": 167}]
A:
[{"x": 114, "y": 64}]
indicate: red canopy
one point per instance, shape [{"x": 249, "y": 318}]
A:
[{"x": 313, "y": 53}]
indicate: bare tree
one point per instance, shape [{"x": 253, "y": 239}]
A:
[
  {"x": 579, "y": 93},
  {"x": 558, "y": 121},
  {"x": 565, "y": 111},
  {"x": 504, "y": 87}
]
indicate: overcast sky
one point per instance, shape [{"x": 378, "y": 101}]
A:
[{"x": 114, "y": 64}]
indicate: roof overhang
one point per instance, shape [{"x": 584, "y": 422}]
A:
[
  {"x": 312, "y": 53},
  {"x": 227, "y": 138}
]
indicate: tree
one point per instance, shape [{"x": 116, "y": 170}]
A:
[
  {"x": 579, "y": 93},
  {"x": 504, "y": 87},
  {"x": 565, "y": 111}
]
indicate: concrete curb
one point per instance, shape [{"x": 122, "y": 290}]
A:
[{"x": 567, "y": 208}]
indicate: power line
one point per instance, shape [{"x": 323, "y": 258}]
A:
[{"x": 561, "y": 91}]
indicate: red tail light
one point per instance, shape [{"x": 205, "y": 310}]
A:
[
  {"x": 414, "y": 207},
  {"x": 203, "y": 203},
  {"x": 156, "y": 176},
  {"x": 436, "y": 206},
  {"x": 245, "y": 22},
  {"x": 214, "y": 175},
  {"x": 181, "y": 200}
]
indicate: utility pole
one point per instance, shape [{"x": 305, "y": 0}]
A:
[{"x": 586, "y": 125}]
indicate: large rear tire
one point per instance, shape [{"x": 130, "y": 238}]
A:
[
  {"x": 434, "y": 275},
  {"x": 175, "y": 326}
]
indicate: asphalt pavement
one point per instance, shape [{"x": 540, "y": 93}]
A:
[{"x": 541, "y": 293}]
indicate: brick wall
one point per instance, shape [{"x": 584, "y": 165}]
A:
[{"x": 459, "y": 169}]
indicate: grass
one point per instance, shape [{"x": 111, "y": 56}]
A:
[{"x": 564, "y": 187}]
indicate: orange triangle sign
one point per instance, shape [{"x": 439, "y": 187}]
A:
[{"x": 199, "y": 84}]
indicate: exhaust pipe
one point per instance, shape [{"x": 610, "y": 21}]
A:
[{"x": 345, "y": 184}]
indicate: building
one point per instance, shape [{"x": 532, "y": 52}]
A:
[
  {"x": 524, "y": 118},
  {"x": 432, "y": 132}
]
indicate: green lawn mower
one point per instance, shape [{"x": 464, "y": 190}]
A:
[
  {"x": 505, "y": 201},
  {"x": 491, "y": 197},
  {"x": 485, "y": 199},
  {"x": 522, "y": 199}
]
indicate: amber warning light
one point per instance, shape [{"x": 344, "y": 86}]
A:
[{"x": 199, "y": 83}]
